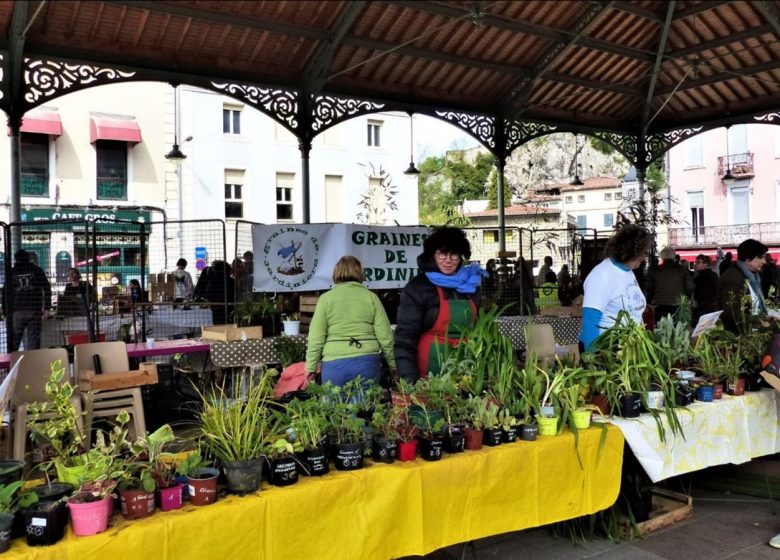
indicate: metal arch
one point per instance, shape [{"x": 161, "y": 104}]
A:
[
  {"x": 518, "y": 133},
  {"x": 281, "y": 104},
  {"x": 44, "y": 79},
  {"x": 656, "y": 145},
  {"x": 328, "y": 110},
  {"x": 481, "y": 127}
]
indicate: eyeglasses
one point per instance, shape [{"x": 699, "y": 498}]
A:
[{"x": 444, "y": 255}]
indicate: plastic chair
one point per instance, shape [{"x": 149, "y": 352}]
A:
[
  {"x": 34, "y": 372},
  {"x": 107, "y": 404}
]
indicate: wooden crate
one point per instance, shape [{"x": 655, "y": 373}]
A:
[
  {"x": 146, "y": 375},
  {"x": 229, "y": 333},
  {"x": 668, "y": 508},
  {"x": 306, "y": 307}
]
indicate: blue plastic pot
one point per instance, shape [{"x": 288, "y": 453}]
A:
[{"x": 705, "y": 393}]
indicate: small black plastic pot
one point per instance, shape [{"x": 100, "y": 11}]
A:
[
  {"x": 314, "y": 461},
  {"x": 53, "y": 492},
  {"x": 431, "y": 448},
  {"x": 684, "y": 395},
  {"x": 510, "y": 435},
  {"x": 6, "y": 522},
  {"x": 284, "y": 471},
  {"x": 349, "y": 456},
  {"x": 630, "y": 405},
  {"x": 529, "y": 432},
  {"x": 753, "y": 382},
  {"x": 492, "y": 437},
  {"x": 45, "y": 523},
  {"x": 383, "y": 450},
  {"x": 454, "y": 440}
]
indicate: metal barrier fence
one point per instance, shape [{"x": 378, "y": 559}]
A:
[{"x": 132, "y": 290}]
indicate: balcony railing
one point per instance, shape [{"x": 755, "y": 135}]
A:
[
  {"x": 34, "y": 184},
  {"x": 111, "y": 188},
  {"x": 767, "y": 233},
  {"x": 741, "y": 165}
]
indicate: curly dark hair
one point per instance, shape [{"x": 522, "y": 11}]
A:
[
  {"x": 629, "y": 242},
  {"x": 449, "y": 239}
]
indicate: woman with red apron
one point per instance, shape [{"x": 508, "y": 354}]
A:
[{"x": 436, "y": 305}]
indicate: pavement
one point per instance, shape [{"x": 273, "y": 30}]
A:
[{"x": 723, "y": 525}]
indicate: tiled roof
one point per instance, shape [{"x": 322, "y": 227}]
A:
[{"x": 516, "y": 210}]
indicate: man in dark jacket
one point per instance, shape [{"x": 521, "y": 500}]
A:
[
  {"x": 705, "y": 291},
  {"x": 742, "y": 280},
  {"x": 667, "y": 283},
  {"x": 30, "y": 301}
]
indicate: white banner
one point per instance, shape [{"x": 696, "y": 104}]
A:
[{"x": 299, "y": 258}]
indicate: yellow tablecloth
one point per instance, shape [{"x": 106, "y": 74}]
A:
[
  {"x": 728, "y": 430},
  {"x": 380, "y": 512}
]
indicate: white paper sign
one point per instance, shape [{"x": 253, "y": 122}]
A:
[
  {"x": 706, "y": 323},
  {"x": 7, "y": 387},
  {"x": 301, "y": 257}
]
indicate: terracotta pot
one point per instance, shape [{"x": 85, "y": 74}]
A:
[
  {"x": 474, "y": 439},
  {"x": 718, "y": 391},
  {"x": 736, "y": 388},
  {"x": 202, "y": 486},
  {"x": 136, "y": 503}
]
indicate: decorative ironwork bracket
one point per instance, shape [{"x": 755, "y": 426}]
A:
[
  {"x": 330, "y": 110},
  {"x": 520, "y": 132},
  {"x": 279, "y": 104},
  {"x": 47, "y": 79},
  {"x": 481, "y": 127},
  {"x": 656, "y": 145}
]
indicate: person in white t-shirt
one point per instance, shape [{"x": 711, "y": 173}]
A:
[{"x": 612, "y": 286}]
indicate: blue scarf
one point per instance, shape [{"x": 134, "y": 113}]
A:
[
  {"x": 466, "y": 279},
  {"x": 754, "y": 279}
]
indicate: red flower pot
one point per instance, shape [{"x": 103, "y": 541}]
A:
[
  {"x": 407, "y": 450},
  {"x": 474, "y": 439}
]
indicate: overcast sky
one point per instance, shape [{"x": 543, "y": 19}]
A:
[{"x": 433, "y": 137}]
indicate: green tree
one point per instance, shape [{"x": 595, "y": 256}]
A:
[{"x": 493, "y": 191}]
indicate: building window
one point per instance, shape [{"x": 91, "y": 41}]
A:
[
  {"x": 284, "y": 190},
  {"x": 374, "y": 129},
  {"x": 608, "y": 196},
  {"x": 35, "y": 164},
  {"x": 491, "y": 235},
  {"x": 334, "y": 199},
  {"x": 234, "y": 183},
  {"x": 580, "y": 198},
  {"x": 618, "y": 196},
  {"x": 231, "y": 119},
  {"x": 609, "y": 220},
  {"x": 582, "y": 222},
  {"x": 569, "y": 200},
  {"x": 111, "y": 169},
  {"x": 696, "y": 205},
  {"x": 694, "y": 152},
  {"x": 740, "y": 205}
]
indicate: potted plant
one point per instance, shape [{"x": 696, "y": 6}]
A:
[
  {"x": 492, "y": 425},
  {"x": 508, "y": 424},
  {"x": 291, "y": 323},
  {"x": 9, "y": 504},
  {"x": 548, "y": 417},
  {"x": 289, "y": 350},
  {"x": 310, "y": 426},
  {"x": 235, "y": 431},
  {"x": 430, "y": 423},
  {"x": 154, "y": 471},
  {"x": 347, "y": 427},
  {"x": 280, "y": 451},
  {"x": 201, "y": 479},
  {"x": 385, "y": 422},
  {"x": 479, "y": 417}
]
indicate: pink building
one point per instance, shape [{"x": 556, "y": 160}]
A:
[{"x": 723, "y": 193}]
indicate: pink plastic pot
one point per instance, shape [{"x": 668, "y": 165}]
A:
[
  {"x": 170, "y": 498},
  {"x": 89, "y": 518}
]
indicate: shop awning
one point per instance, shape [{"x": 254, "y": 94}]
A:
[
  {"x": 112, "y": 128},
  {"x": 42, "y": 122}
]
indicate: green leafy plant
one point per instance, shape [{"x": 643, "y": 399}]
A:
[
  {"x": 188, "y": 466},
  {"x": 308, "y": 421},
  {"x": 289, "y": 350},
  {"x": 152, "y": 466},
  {"x": 343, "y": 406}
]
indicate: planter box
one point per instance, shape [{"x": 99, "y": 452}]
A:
[
  {"x": 229, "y": 333},
  {"x": 668, "y": 508},
  {"x": 89, "y": 381}
]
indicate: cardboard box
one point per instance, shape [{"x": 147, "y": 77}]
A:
[
  {"x": 162, "y": 291},
  {"x": 229, "y": 333},
  {"x": 145, "y": 375},
  {"x": 667, "y": 509}
]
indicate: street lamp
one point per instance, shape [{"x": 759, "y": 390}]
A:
[
  {"x": 176, "y": 155},
  {"x": 576, "y": 182},
  {"x": 411, "y": 170}
]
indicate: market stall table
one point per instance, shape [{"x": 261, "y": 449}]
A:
[
  {"x": 167, "y": 348},
  {"x": 238, "y": 353},
  {"x": 729, "y": 430},
  {"x": 566, "y": 329},
  {"x": 380, "y": 512}
]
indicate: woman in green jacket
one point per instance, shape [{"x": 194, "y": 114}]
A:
[{"x": 349, "y": 329}]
